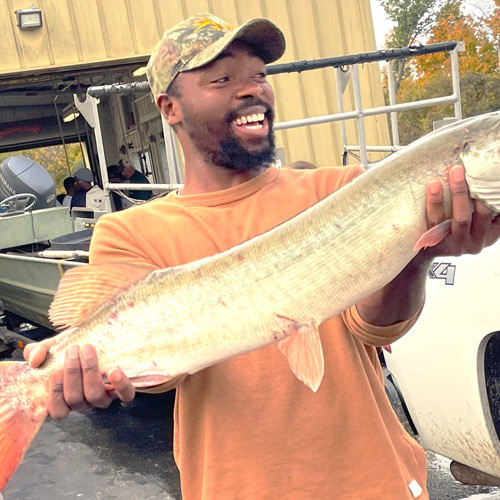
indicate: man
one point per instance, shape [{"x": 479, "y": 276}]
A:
[
  {"x": 115, "y": 177},
  {"x": 70, "y": 188},
  {"x": 83, "y": 182},
  {"x": 246, "y": 428},
  {"x": 129, "y": 173}
]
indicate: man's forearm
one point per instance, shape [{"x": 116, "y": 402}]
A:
[{"x": 399, "y": 299}]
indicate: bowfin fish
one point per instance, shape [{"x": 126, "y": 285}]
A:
[{"x": 161, "y": 325}]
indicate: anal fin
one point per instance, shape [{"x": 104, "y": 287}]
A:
[{"x": 304, "y": 354}]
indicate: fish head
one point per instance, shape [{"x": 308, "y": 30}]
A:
[{"x": 481, "y": 159}]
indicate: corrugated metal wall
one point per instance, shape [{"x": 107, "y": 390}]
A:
[{"x": 89, "y": 31}]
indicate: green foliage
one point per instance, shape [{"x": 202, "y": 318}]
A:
[
  {"x": 412, "y": 19},
  {"x": 53, "y": 158},
  {"x": 430, "y": 75}
]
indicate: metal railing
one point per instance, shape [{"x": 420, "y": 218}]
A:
[{"x": 340, "y": 66}]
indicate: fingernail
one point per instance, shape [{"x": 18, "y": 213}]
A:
[
  {"x": 73, "y": 351},
  {"x": 87, "y": 351},
  {"x": 32, "y": 355},
  {"x": 458, "y": 174},
  {"x": 434, "y": 187},
  {"x": 115, "y": 375}
]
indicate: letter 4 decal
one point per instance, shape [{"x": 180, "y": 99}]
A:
[{"x": 443, "y": 271}]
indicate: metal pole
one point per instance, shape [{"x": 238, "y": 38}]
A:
[
  {"x": 340, "y": 101},
  {"x": 360, "y": 120},
  {"x": 455, "y": 77},
  {"x": 392, "y": 102},
  {"x": 173, "y": 164}
]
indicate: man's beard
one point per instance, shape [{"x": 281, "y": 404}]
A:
[
  {"x": 233, "y": 156},
  {"x": 229, "y": 153}
]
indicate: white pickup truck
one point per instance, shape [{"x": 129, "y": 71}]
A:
[{"x": 447, "y": 368}]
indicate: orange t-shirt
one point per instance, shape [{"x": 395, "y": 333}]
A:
[{"x": 246, "y": 428}]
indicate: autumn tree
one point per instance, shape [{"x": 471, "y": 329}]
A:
[
  {"x": 412, "y": 20},
  {"x": 58, "y": 160},
  {"x": 430, "y": 75}
]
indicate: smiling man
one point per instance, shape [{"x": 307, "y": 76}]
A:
[
  {"x": 210, "y": 84},
  {"x": 247, "y": 428}
]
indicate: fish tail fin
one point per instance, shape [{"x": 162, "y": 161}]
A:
[
  {"x": 304, "y": 354},
  {"x": 21, "y": 416}
]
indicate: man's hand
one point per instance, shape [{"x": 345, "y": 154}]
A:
[
  {"x": 79, "y": 385},
  {"x": 473, "y": 226}
]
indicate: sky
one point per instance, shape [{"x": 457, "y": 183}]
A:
[{"x": 380, "y": 22}]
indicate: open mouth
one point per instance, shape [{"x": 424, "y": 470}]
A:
[{"x": 254, "y": 121}]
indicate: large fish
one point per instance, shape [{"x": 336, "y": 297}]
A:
[{"x": 346, "y": 246}]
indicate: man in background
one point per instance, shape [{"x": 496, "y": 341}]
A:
[
  {"x": 132, "y": 175},
  {"x": 70, "y": 188},
  {"x": 83, "y": 182}
]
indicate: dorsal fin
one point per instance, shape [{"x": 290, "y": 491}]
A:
[{"x": 84, "y": 288}]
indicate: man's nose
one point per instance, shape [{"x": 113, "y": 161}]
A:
[{"x": 249, "y": 88}]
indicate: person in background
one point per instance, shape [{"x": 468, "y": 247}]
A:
[
  {"x": 70, "y": 188},
  {"x": 115, "y": 177},
  {"x": 129, "y": 172},
  {"x": 83, "y": 182},
  {"x": 247, "y": 428},
  {"x": 302, "y": 165}
]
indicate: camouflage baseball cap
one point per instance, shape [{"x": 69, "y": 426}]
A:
[{"x": 200, "y": 39}]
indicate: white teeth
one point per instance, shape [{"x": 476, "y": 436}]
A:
[{"x": 256, "y": 117}]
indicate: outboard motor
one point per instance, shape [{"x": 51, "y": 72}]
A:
[{"x": 19, "y": 175}]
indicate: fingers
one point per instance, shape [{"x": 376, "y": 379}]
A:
[
  {"x": 435, "y": 207},
  {"x": 473, "y": 226},
  {"x": 79, "y": 385},
  {"x": 123, "y": 388},
  {"x": 36, "y": 352},
  {"x": 57, "y": 407},
  {"x": 83, "y": 385},
  {"x": 460, "y": 202}
]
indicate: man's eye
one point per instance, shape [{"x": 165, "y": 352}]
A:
[
  {"x": 222, "y": 79},
  {"x": 261, "y": 75}
]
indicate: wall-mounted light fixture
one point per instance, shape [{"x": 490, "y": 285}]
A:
[
  {"x": 69, "y": 113},
  {"x": 28, "y": 19}
]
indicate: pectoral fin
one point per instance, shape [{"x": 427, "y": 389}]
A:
[
  {"x": 433, "y": 236},
  {"x": 305, "y": 354}
]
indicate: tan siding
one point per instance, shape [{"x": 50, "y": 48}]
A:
[
  {"x": 59, "y": 25},
  {"x": 89, "y": 31},
  {"x": 117, "y": 30},
  {"x": 10, "y": 56},
  {"x": 290, "y": 103}
]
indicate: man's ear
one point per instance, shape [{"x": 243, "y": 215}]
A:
[{"x": 170, "y": 109}]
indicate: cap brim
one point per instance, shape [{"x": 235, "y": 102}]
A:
[{"x": 262, "y": 34}]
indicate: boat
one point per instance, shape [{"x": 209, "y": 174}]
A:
[{"x": 37, "y": 242}]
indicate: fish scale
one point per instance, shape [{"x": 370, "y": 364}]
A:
[{"x": 275, "y": 288}]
